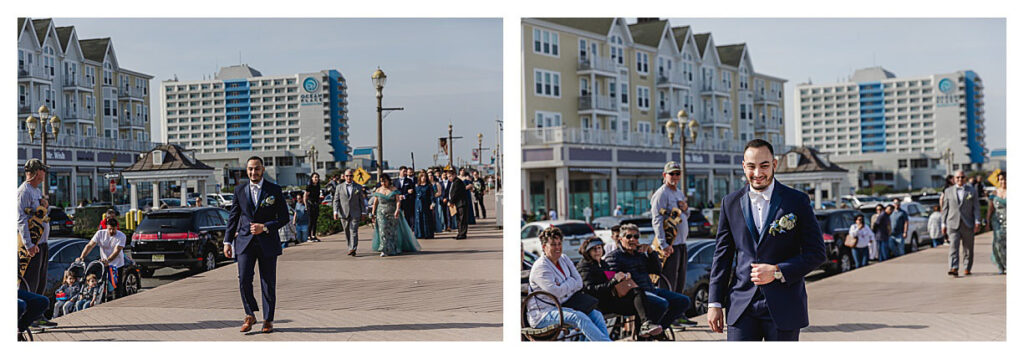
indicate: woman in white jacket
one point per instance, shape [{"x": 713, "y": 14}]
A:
[
  {"x": 555, "y": 273},
  {"x": 864, "y": 238},
  {"x": 935, "y": 227}
]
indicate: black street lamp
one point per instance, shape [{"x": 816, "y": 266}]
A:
[
  {"x": 379, "y": 80},
  {"x": 670, "y": 131},
  {"x": 31, "y": 123}
]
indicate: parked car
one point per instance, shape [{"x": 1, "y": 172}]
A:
[
  {"x": 642, "y": 222},
  {"x": 917, "y": 231},
  {"x": 180, "y": 237},
  {"x": 225, "y": 199},
  {"x": 64, "y": 251},
  {"x": 700, "y": 226},
  {"x": 700, "y": 253},
  {"x": 60, "y": 223},
  {"x": 835, "y": 224},
  {"x": 573, "y": 232},
  {"x": 862, "y": 201}
]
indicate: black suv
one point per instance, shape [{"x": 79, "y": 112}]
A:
[
  {"x": 60, "y": 223},
  {"x": 181, "y": 238},
  {"x": 835, "y": 224}
]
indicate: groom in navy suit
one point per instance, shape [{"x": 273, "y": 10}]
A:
[
  {"x": 256, "y": 215},
  {"x": 768, "y": 240}
]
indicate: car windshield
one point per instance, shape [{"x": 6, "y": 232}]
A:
[
  {"x": 229, "y": 197},
  {"x": 165, "y": 222},
  {"x": 575, "y": 229},
  {"x": 640, "y": 223}
]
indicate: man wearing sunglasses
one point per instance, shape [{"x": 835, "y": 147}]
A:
[
  {"x": 664, "y": 307},
  {"x": 663, "y": 202},
  {"x": 961, "y": 219}
]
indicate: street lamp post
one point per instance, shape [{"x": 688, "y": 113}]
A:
[
  {"x": 113, "y": 160},
  {"x": 670, "y": 131},
  {"x": 451, "y": 147},
  {"x": 31, "y": 123},
  {"x": 379, "y": 79},
  {"x": 312, "y": 155},
  {"x": 948, "y": 157},
  {"x": 479, "y": 149}
]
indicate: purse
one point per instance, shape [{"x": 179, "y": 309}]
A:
[
  {"x": 621, "y": 289},
  {"x": 452, "y": 210},
  {"x": 851, "y": 240},
  {"x": 582, "y": 302}
]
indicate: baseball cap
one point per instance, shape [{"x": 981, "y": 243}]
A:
[
  {"x": 35, "y": 164},
  {"x": 671, "y": 166}
]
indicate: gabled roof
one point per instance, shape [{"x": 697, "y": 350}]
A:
[
  {"x": 810, "y": 161},
  {"x": 95, "y": 49},
  {"x": 680, "y": 34},
  {"x": 702, "y": 42},
  {"x": 597, "y": 25},
  {"x": 648, "y": 33},
  {"x": 174, "y": 159},
  {"x": 21, "y": 26},
  {"x": 41, "y": 26},
  {"x": 64, "y": 36},
  {"x": 731, "y": 54}
]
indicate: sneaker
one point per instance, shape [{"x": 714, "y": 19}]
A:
[
  {"x": 45, "y": 324},
  {"x": 650, "y": 329},
  {"x": 685, "y": 322}
]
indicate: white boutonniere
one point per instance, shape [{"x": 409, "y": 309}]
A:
[
  {"x": 969, "y": 196},
  {"x": 782, "y": 224},
  {"x": 267, "y": 202}
]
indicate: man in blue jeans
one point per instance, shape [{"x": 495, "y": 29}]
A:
[
  {"x": 663, "y": 306},
  {"x": 900, "y": 225},
  {"x": 30, "y": 308}
]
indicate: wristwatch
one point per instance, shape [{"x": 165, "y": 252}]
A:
[{"x": 778, "y": 273}]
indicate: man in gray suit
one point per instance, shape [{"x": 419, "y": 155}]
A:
[
  {"x": 349, "y": 205},
  {"x": 961, "y": 219}
]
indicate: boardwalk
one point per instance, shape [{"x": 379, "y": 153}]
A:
[
  {"x": 910, "y": 298},
  {"x": 449, "y": 291}
]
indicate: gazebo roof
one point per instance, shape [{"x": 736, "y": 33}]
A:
[
  {"x": 808, "y": 160},
  {"x": 167, "y": 157}
]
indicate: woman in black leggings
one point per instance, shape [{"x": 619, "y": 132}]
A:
[{"x": 599, "y": 281}]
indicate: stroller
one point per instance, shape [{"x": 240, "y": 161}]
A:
[{"x": 106, "y": 275}]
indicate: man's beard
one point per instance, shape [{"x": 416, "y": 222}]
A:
[{"x": 771, "y": 179}]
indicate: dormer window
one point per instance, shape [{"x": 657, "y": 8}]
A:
[
  {"x": 792, "y": 159},
  {"x": 158, "y": 157}
]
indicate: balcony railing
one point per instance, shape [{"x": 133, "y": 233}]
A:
[
  {"x": 35, "y": 72},
  {"x": 130, "y": 121},
  {"x": 759, "y": 97},
  {"x": 596, "y": 63},
  {"x": 562, "y": 135},
  {"x": 602, "y": 103},
  {"x": 105, "y": 143},
  {"x": 131, "y": 92},
  {"x": 670, "y": 79},
  {"x": 717, "y": 87}
]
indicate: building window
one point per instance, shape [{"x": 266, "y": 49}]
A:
[
  {"x": 545, "y": 42},
  {"x": 616, "y": 50},
  {"x": 547, "y": 83},
  {"x": 643, "y": 97},
  {"x": 625, "y": 94},
  {"x": 642, "y": 62},
  {"x": 544, "y": 119}
]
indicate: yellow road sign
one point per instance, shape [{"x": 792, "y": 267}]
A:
[
  {"x": 360, "y": 176},
  {"x": 994, "y": 177}
]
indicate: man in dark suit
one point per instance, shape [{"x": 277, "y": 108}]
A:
[
  {"x": 771, "y": 233},
  {"x": 446, "y": 190},
  {"x": 407, "y": 185},
  {"x": 257, "y": 213},
  {"x": 460, "y": 197}
]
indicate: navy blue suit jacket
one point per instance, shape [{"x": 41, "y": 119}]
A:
[
  {"x": 244, "y": 213},
  {"x": 796, "y": 252}
]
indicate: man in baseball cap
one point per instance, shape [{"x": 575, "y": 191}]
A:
[
  {"x": 31, "y": 197},
  {"x": 664, "y": 200}
]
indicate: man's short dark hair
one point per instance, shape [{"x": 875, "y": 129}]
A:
[
  {"x": 402, "y": 168},
  {"x": 615, "y": 229},
  {"x": 258, "y": 158},
  {"x": 757, "y": 143}
]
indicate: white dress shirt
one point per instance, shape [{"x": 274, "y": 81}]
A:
[
  {"x": 759, "y": 201},
  {"x": 254, "y": 191}
]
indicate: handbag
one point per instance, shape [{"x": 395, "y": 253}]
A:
[
  {"x": 621, "y": 289},
  {"x": 851, "y": 240},
  {"x": 582, "y": 302},
  {"x": 452, "y": 210}
]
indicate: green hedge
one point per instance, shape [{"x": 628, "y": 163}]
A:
[{"x": 87, "y": 222}]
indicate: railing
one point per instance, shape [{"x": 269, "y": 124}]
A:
[
  {"x": 671, "y": 78},
  {"x": 130, "y": 121},
  {"x": 602, "y": 103},
  {"x": 562, "y": 135},
  {"x": 130, "y": 92},
  {"x": 759, "y": 97},
  {"x": 717, "y": 87},
  {"x": 597, "y": 63},
  {"x": 65, "y": 140},
  {"x": 35, "y": 72},
  {"x": 70, "y": 113}
]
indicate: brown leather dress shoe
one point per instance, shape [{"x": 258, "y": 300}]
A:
[
  {"x": 268, "y": 326},
  {"x": 247, "y": 324},
  {"x": 352, "y": 252},
  {"x": 952, "y": 272},
  {"x": 967, "y": 272}
]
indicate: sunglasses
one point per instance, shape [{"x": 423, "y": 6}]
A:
[
  {"x": 631, "y": 236},
  {"x": 674, "y": 174},
  {"x": 959, "y": 177}
]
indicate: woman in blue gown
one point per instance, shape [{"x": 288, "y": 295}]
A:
[
  {"x": 391, "y": 233},
  {"x": 425, "y": 220},
  {"x": 438, "y": 206}
]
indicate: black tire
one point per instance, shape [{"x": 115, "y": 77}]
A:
[
  {"x": 146, "y": 272},
  {"x": 700, "y": 301},
  {"x": 845, "y": 262},
  {"x": 208, "y": 263},
  {"x": 130, "y": 284}
]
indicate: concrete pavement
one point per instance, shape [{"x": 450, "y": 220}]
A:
[
  {"x": 449, "y": 291},
  {"x": 909, "y": 298}
]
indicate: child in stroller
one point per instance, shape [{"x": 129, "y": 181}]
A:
[
  {"x": 91, "y": 295},
  {"x": 100, "y": 285},
  {"x": 68, "y": 292}
]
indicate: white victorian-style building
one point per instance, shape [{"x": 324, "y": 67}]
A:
[
  {"x": 163, "y": 164},
  {"x": 807, "y": 170}
]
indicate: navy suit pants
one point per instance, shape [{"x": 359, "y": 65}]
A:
[
  {"x": 247, "y": 260},
  {"x": 755, "y": 324}
]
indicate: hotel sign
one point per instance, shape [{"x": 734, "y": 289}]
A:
[
  {"x": 312, "y": 95},
  {"x": 946, "y": 95}
]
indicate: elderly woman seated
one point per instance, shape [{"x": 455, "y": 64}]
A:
[
  {"x": 599, "y": 281},
  {"x": 554, "y": 273},
  {"x": 639, "y": 261}
]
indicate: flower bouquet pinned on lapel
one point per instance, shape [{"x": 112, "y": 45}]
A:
[
  {"x": 782, "y": 224},
  {"x": 267, "y": 202}
]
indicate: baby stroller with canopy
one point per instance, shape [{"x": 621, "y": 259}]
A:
[{"x": 106, "y": 275}]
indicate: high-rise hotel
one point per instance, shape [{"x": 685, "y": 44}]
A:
[
  {"x": 597, "y": 93},
  {"x": 240, "y": 113},
  {"x": 896, "y": 131},
  {"x": 102, "y": 105}
]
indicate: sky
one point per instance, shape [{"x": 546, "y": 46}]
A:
[
  {"x": 439, "y": 70},
  {"x": 827, "y": 50}
]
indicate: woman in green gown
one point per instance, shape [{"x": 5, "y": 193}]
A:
[
  {"x": 997, "y": 206},
  {"x": 391, "y": 233}
]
